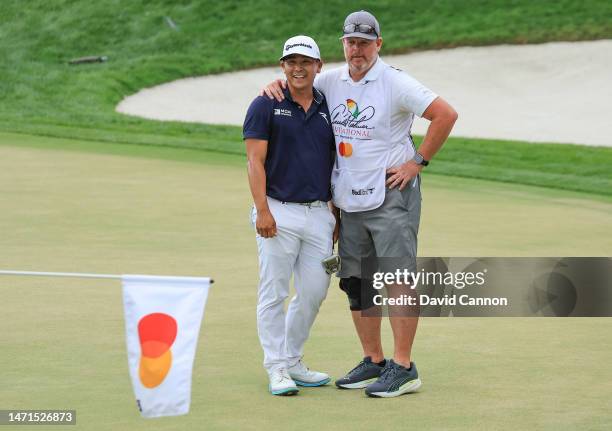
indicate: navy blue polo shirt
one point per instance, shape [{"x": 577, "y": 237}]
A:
[{"x": 301, "y": 146}]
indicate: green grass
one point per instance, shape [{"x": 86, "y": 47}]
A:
[
  {"x": 87, "y": 201},
  {"x": 72, "y": 205},
  {"x": 43, "y": 95},
  {"x": 566, "y": 167}
]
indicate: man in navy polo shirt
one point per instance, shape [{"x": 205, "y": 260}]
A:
[{"x": 290, "y": 150}]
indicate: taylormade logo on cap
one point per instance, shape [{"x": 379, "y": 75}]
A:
[
  {"x": 288, "y": 47},
  {"x": 302, "y": 45}
]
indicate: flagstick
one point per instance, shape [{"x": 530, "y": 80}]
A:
[{"x": 66, "y": 274}]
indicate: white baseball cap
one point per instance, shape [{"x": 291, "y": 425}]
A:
[{"x": 303, "y": 45}]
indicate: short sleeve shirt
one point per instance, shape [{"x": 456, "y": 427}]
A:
[
  {"x": 408, "y": 98},
  {"x": 301, "y": 147}
]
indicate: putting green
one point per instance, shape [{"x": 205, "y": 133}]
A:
[{"x": 70, "y": 206}]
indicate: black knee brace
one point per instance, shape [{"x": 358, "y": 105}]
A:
[{"x": 359, "y": 299}]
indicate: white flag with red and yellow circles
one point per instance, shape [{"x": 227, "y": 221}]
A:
[{"x": 162, "y": 323}]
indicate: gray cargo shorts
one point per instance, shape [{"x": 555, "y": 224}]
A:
[{"x": 387, "y": 231}]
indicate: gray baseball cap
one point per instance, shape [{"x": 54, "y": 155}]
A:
[{"x": 361, "y": 24}]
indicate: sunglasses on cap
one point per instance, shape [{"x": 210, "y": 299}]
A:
[{"x": 359, "y": 28}]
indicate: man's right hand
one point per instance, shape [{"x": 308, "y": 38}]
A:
[
  {"x": 274, "y": 90},
  {"x": 265, "y": 224}
]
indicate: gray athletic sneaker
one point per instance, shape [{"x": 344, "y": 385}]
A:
[
  {"x": 361, "y": 376},
  {"x": 395, "y": 380}
]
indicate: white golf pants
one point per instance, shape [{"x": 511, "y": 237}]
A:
[{"x": 303, "y": 240}]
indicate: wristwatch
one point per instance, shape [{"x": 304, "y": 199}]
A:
[{"x": 419, "y": 160}]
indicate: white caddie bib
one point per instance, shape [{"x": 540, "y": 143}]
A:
[{"x": 361, "y": 121}]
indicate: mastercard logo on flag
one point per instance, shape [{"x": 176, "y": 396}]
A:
[
  {"x": 345, "y": 149},
  {"x": 156, "y": 332}
]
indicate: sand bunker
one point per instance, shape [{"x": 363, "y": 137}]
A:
[{"x": 553, "y": 92}]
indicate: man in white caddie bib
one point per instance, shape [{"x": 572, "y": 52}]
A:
[{"x": 376, "y": 185}]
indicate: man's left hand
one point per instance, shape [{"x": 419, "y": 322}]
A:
[{"x": 402, "y": 174}]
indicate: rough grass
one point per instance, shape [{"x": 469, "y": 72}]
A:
[
  {"x": 37, "y": 38},
  {"x": 41, "y": 94}
]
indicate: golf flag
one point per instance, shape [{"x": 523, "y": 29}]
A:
[{"x": 162, "y": 323}]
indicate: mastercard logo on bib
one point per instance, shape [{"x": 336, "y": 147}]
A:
[
  {"x": 157, "y": 332},
  {"x": 345, "y": 149}
]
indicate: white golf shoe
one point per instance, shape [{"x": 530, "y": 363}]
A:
[
  {"x": 281, "y": 383},
  {"x": 302, "y": 376}
]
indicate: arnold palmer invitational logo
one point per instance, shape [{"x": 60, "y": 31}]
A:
[{"x": 351, "y": 120}]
